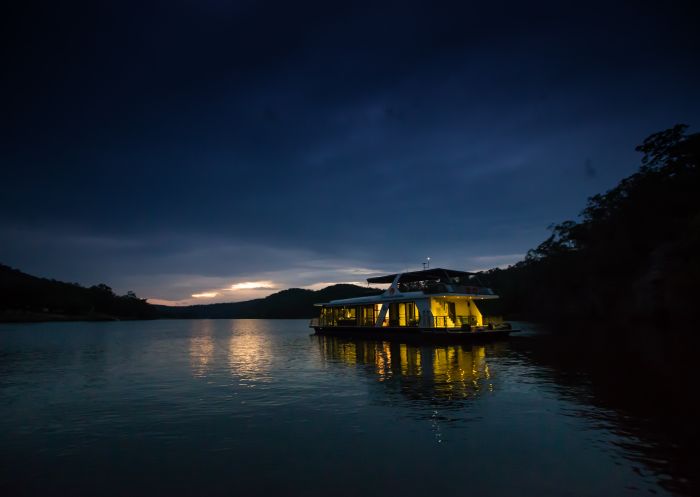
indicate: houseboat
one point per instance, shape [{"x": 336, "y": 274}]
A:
[{"x": 433, "y": 303}]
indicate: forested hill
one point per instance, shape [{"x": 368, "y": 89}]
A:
[
  {"x": 28, "y": 298},
  {"x": 292, "y": 303},
  {"x": 633, "y": 258}
]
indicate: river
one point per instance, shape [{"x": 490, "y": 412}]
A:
[{"x": 262, "y": 407}]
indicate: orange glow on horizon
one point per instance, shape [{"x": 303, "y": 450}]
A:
[{"x": 253, "y": 285}]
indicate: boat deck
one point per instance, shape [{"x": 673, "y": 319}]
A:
[{"x": 416, "y": 334}]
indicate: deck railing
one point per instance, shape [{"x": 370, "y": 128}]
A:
[
  {"x": 453, "y": 321},
  {"x": 437, "y": 322},
  {"x": 452, "y": 288}
]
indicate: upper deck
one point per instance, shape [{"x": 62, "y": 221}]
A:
[{"x": 416, "y": 285}]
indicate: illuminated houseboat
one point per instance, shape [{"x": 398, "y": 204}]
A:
[{"x": 438, "y": 303}]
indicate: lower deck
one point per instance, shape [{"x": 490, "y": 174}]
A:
[
  {"x": 453, "y": 313},
  {"x": 422, "y": 334}
]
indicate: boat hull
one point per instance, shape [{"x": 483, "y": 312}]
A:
[{"x": 415, "y": 334}]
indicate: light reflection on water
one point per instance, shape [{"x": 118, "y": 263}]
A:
[
  {"x": 260, "y": 407},
  {"x": 201, "y": 347},
  {"x": 249, "y": 358}
]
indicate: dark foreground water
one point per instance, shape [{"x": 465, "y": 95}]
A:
[{"x": 256, "y": 407}]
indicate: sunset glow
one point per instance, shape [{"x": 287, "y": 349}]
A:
[{"x": 253, "y": 285}]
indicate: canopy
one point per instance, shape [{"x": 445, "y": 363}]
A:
[{"x": 427, "y": 274}]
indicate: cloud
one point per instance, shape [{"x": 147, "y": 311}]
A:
[
  {"x": 294, "y": 177},
  {"x": 589, "y": 171},
  {"x": 253, "y": 285},
  {"x": 360, "y": 271}
]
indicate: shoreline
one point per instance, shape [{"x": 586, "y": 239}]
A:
[{"x": 15, "y": 316}]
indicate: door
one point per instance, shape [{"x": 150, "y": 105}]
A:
[{"x": 452, "y": 312}]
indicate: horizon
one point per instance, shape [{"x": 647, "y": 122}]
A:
[{"x": 222, "y": 152}]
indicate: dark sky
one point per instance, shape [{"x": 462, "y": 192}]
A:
[{"x": 180, "y": 148}]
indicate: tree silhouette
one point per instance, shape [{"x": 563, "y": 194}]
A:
[{"x": 633, "y": 255}]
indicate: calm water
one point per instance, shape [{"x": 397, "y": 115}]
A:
[{"x": 256, "y": 407}]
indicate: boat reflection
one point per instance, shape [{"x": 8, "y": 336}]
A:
[
  {"x": 441, "y": 374},
  {"x": 599, "y": 388}
]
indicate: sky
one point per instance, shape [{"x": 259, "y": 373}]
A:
[{"x": 212, "y": 151}]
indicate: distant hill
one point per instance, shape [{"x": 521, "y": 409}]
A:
[
  {"x": 291, "y": 303},
  {"x": 28, "y": 298}
]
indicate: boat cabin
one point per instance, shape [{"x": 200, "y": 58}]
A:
[{"x": 426, "y": 300}]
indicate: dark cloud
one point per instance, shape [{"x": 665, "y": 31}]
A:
[
  {"x": 589, "y": 170},
  {"x": 216, "y": 139}
]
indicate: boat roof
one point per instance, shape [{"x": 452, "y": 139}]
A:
[
  {"x": 426, "y": 274},
  {"x": 404, "y": 297},
  {"x": 374, "y": 299}
]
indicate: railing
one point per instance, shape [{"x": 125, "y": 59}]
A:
[
  {"x": 452, "y": 288},
  {"x": 368, "y": 321},
  {"x": 329, "y": 321},
  {"x": 453, "y": 321},
  {"x": 493, "y": 320},
  {"x": 473, "y": 290},
  {"x": 437, "y": 322}
]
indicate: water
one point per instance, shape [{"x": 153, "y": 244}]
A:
[{"x": 260, "y": 407}]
